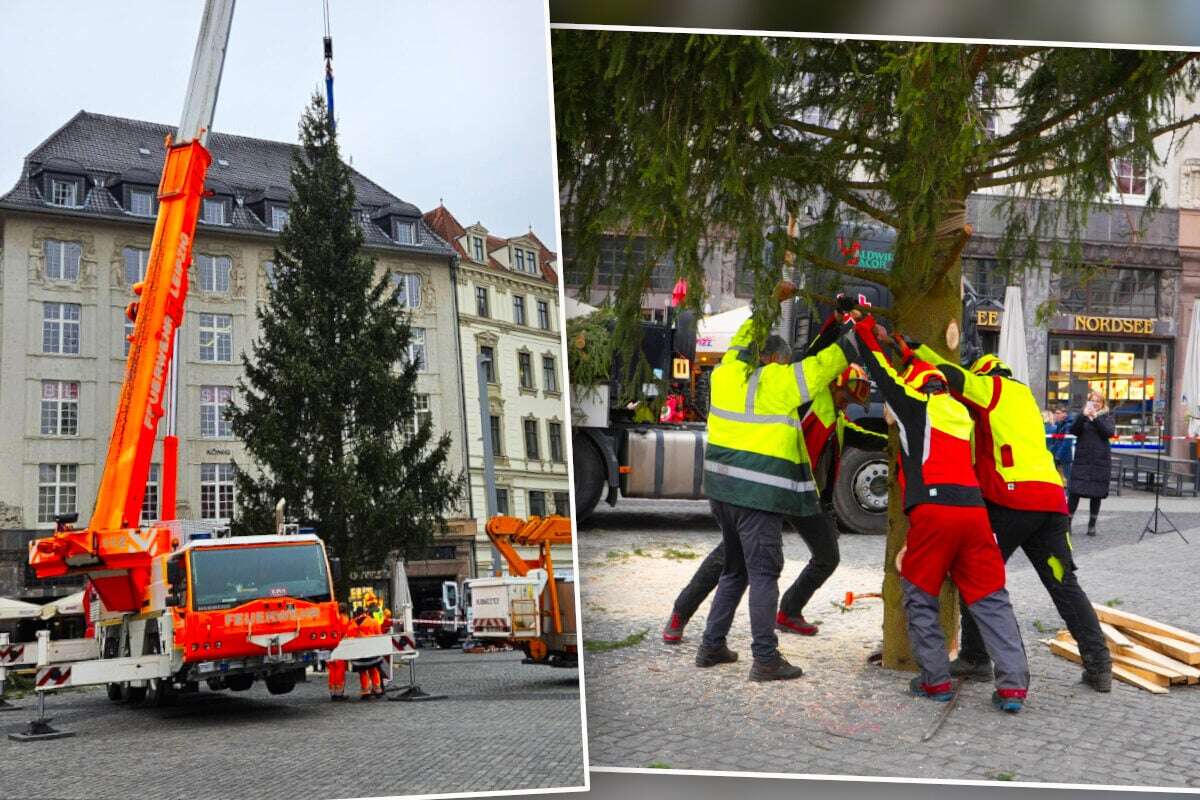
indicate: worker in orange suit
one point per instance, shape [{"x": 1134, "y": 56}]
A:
[
  {"x": 337, "y": 669},
  {"x": 369, "y": 676}
]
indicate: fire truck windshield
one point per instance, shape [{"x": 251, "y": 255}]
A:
[{"x": 225, "y": 577}]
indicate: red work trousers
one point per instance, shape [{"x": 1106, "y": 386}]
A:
[
  {"x": 337, "y": 676},
  {"x": 957, "y": 540},
  {"x": 371, "y": 681}
]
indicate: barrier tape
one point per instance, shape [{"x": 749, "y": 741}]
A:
[
  {"x": 1135, "y": 437},
  {"x": 53, "y": 676}
]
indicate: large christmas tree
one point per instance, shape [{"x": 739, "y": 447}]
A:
[{"x": 327, "y": 410}]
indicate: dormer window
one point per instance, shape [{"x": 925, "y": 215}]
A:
[
  {"x": 212, "y": 211},
  {"x": 278, "y": 217},
  {"x": 477, "y": 248},
  {"x": 405, "y": 231},
  {"x": 531, "y": 261},
  {"x": 141, "y": 202},
  {"x": 64, "y": 193},
  {"x": 520, "y": 259}
]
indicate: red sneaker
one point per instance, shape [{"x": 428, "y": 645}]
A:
[
  {"x": 795, "y": 625},
  {"x": 673, "y": 631}
]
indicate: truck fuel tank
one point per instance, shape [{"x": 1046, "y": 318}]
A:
[{"x": 664, "y": 462}]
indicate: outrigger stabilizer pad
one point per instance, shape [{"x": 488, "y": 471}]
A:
[
  {"x": 39, "y": 730},
  {"x": 413, "y": 694}
]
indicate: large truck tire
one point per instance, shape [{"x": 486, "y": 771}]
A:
[
  {"x": 860, "y": 497},
  {"x": 591, "y": 476},
  {"x": 281, "y": 682}
]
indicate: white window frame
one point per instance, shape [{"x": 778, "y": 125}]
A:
[
  {"x": 61, "y": 319},
  {"x": 417, "y": 349},
  {"x": 536, "y": 455},
  {"x": 151, "y": 499},
  {"x": 143, "y": 257},
  {"x": 421, "y": 412},
  {"x": 133, "y": 206},
  {"x": 519, "y": 254},
  {"x": 490, "y": 363},
  {"x": 523, "y": 357},
  {"x": 269, "y": 271},
  {"x": 214, "y": 273},
  {"x": 483, "y": 302},
  {"x": 62, "y": 481},
  {"x": 477, "y": 249},
  {"x": 559, "y": 457},
  {"x": 549, "y": 373},
  {"x": 62, "y": 260},
  {"x": 531, "y": 262},
  {"x": 1120, "y": 166},
  {"x": 277, "y": 223},
  {"x": 543, "y": 312},
  {"x": 218, "y": 330},
  {"x": 519, "y": 311},
  {"x": 70, "y": 198},
  {"x": 405, "y": 225},
  {"x": 496, "y": 431},
  {"x": 218, "y": 491},
  {"x": 59, "y": 408},
  {"x": 214, "y": 400},
  {"x": 207, "y": 213},
  {"x": 410, "y": 285}
]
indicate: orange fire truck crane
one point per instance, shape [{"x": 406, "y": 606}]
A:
[{"x": 177, "y": 607}]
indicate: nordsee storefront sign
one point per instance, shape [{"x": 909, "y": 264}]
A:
[{"x": 1128, "y": 326}]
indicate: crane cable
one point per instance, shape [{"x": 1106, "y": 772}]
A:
[{"x": 328, "y": 42}]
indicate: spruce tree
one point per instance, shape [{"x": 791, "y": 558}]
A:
[
  {"x": 678, "y": 136},
  {"x": 327, "y": 400}
]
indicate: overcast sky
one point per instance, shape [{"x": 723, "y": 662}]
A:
[{"x": 434, "y": 99}]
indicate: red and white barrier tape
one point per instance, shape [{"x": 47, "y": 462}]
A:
[{"x": 1135, "y": 437}]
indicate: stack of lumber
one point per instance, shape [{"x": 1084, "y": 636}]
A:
[{"x": 1148, "y": 654}]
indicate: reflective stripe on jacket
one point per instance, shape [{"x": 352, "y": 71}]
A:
[
  {"x": 755, "y": 456},
  {"x": 1014, "y": 468}
]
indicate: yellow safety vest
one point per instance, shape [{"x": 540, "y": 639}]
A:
[{"x": 755, "y": 456}]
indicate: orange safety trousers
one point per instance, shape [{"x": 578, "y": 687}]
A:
[
  {"x": 337, "y": 676},
  {"x": 371, "y": 681}
]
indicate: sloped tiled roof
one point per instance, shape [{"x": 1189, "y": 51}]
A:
[
  {"x": 107, "y": 147},
  {"x": 446, "y": 225},
  {"x": 443, "y": 223}
]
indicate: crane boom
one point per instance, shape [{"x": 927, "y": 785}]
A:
[{"x": 112, "y": 550}]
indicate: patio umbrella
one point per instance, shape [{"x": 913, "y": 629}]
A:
[
  {"x": 1190, "y": 388},
  {"x": 714, "y": 333},
  {"x": 17, "y": 609},
  {"x": 573, "y": 308},
  {"x": 1012, "y": 348}
]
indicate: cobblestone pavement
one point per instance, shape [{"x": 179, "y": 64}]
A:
[
  {"x": 648, "y": 704},
  {"x": 505, "y": 725}
]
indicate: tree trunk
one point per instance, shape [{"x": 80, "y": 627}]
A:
[{"x": 924, "y": 314}]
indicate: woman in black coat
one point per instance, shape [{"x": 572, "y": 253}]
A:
[{"x": 1093, "y": 427}]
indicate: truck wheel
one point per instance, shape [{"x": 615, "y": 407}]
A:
[
  {"x": 115, "y": 692},
  {"x": 860, "y": 497},
  {"x": 159, "y": 693},
  {"x": 239, "y": 683},
  {"x": 591, "y": 476},
  {"x": 281, "y": 683},
  {"x": 134, "y": 695}
]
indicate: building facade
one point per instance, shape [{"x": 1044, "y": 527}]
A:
[
  {"x": 76, "y": 231},
  {"x": 509, "y": 312}
]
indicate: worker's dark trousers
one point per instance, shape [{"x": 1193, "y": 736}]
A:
[
  {"x": 1043, "y": 537},
  {"x": 818, "y": 532},
  {"x": 753, "y": 542},
  {"x": 997, "y": 627}
]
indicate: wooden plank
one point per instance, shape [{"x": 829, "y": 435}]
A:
[
  {"x": 1176, "y": 649},
  {"x": 1146, "y": 654},
  {"x": 1160, "y": 674},
  {"x": 1115, "y": 637},
  {"x": 1071, "y": 653},
  {"x": 1133, "y": 622}
]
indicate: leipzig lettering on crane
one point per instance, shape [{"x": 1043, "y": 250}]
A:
[{"x": 158, "y": 376}]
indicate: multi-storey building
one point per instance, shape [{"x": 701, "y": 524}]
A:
[
  {"x": 75, "y": 234},
  {"x": 508, "y": 311}
]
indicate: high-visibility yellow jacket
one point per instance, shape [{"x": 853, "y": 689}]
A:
[
  {"x": 756, "y": 455},
  {"x": 824, "y": 425},
  {"x": 1014, "y": 467}
]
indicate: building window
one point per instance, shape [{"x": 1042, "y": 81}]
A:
[
  {"x": 416, "y": 348},
  {"x": 489, "y": 363},
  {"x": 543, "y": 309},
  {"x": 58, "y": 485},
  {"x": 279, "y": 217},
  {"x": 216, "y": 491},
  {"x": 150, "y": 499},
  {"x": 421, "y": 414},
  {"x": 562, "y": 504},
  {"x": 406, "y": 232},
  {"x": 214, "y": 422},
  {"x": 62, "y": 260},
  {"x": 549, "y": 374},
  {"x": 141, "y": 203},
  {"x": 525, "y": 370},
  {"x": 518, "y": 309},
  {"x": 1111, "y": 291},
  {"x": 1131, "y": 176},
  {"x": 497, "y": 437},
  {"x": 212, "y": 211},
  {"x": 60, "y": 328},
  {"x": 531, "y": 440},
  {"x": 537, "y": 503},
  {"x": 64, "y": 193},
  {"x": 617, "y": 254},
  {"x": 128, "y": 331},
  {"x": 408, "y": 289},
  {"x": 216, "y": 338},
  {"x": 520, "y": 254},
  {"x": 214, "y": 273},
  {"x": 986, "y": 278},
  {"x": 477, "y": 247},
  {"x": 531, "y": 261},
  {"x": 60, "y": 408},
  {"x": 556, "y": 448},
  {"x": 269, "y": 271},
  {"x": 481, "y": 301},
  {"x": 501, "y": 501},
  {"x": 135, "y": 264}
]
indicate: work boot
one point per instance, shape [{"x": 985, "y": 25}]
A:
[
  {"x": 1010, "y": 701},
  {"x": 1091, "y": 529},
  {"x": 777, "y": 669},
  {"x": 794, "y": 625},
  {"x": 941, "y": 692},
  {"x": 337, "y": 698},
  {"x": 673, "y": 630},
  {"x": 965, "y": 668},
  {"x": 711, "y": 657},
  {"x": 1100, "y": 680}
]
